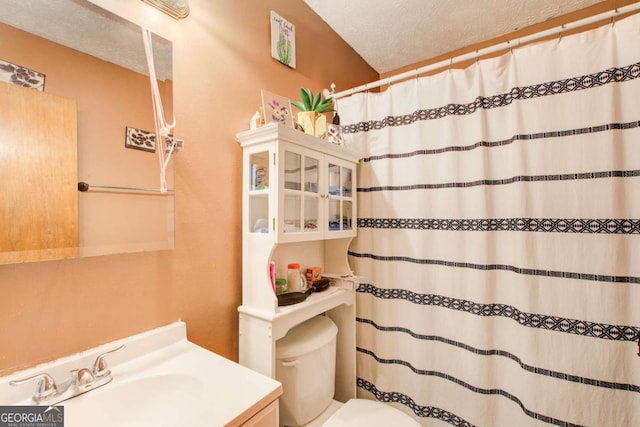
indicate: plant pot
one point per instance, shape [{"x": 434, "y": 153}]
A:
[{"x": 313, "y": 123}]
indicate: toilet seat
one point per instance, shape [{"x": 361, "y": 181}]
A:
[{"x": 369, "y": 413}]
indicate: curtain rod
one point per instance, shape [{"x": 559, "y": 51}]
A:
[{"x": 509, "y": 44}]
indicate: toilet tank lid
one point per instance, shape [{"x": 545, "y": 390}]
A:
[{"x": 306, "y": 337}]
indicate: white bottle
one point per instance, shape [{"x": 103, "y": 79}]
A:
[{"x": 296, "y": 282}]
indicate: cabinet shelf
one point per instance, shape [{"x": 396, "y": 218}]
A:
[{"x": 291, "y": 315}]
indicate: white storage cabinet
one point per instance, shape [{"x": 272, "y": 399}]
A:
[{"x": 298, "y": 205}]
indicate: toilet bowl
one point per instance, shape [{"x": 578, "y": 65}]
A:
[
  {"x": 305, "y": 365},
  {"x": 369, "y": 413}
]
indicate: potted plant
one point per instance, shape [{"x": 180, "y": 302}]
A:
[{"x": 312, "y": 108}]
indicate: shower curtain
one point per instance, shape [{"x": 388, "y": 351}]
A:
[{"x": 498, "y": 237}]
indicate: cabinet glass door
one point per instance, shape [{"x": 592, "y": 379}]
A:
[
  {"x": 311, "y": 206},
  {"x": 346, "y": 175},
  {"x": 301, "y": 192},
  {"x": 258, "y": 192},
  {"x": 292, "y": 192},
  {"x": 340, "y": 189}
]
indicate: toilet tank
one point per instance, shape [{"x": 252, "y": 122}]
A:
[{"x": 306, "y": 365}]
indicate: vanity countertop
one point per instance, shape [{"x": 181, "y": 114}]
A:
[{"x": 159, "y": 379}]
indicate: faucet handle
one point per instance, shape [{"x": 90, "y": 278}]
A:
[
  {"x": 82, "y": 377},
  {"x": 100, "y": 365},
  {"x": 45, "y": 388}
]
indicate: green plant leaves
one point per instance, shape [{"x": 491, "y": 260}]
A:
[
  {"x": 316, "y": 101},
  {"x": 311, "y": 102},
  {"x": 307, "y": 96}
]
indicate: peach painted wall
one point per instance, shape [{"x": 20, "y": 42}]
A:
[{"x": 221, "y": 62}]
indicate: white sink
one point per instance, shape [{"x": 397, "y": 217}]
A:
[
  {"x": 159, "y": 379},
  {"x": 152, "y": 400}
]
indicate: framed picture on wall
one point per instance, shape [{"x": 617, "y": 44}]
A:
[
  {"x": 139, "y": 139},
  {"x": 283, "y": 40},
  {"x": 21, "y": 76},
  {"x": 277, "y": 109}
]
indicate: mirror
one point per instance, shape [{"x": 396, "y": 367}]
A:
[{"x": 88, "y": 84}]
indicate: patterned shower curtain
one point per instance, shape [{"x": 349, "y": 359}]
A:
[{"x": 499, "y": 237}]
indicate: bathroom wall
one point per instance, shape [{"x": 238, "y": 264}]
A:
[{"x": 221, "y": 61}]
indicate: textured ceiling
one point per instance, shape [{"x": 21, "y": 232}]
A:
[
  {"x": 391, "y": 34},
  {"x": 88, "y": 28},
  {"x": 388, "y": 34}
]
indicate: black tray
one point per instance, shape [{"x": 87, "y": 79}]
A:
[{"x": 291, "y": 298}]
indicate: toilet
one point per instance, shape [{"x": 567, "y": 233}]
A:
[{"x": 305, "y": 365}]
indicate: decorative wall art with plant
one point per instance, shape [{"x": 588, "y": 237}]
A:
[{"x": 283, "y": 40}]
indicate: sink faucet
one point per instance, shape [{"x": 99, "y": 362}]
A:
[
  {"x": 82, "y": 380},
  {"x": 45, "y": 389}
]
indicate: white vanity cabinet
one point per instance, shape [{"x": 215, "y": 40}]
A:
[
  {"x": 299, "y": 205},
  {"x": 267, "y": 417}
]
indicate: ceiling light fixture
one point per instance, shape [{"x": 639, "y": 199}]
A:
[{"x": 176, "y": 9}]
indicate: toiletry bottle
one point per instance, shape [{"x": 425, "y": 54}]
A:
[
  {"x": 296, "y": 282},
  {"x": 281, "y": 286}
]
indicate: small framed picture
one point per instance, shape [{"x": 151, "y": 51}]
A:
[
  {"x": 139, "y": 139},
  {"x": 283, "y": 40},
  {"x": 277, "y": 109},
  {"x": 21, "y": 76}
]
